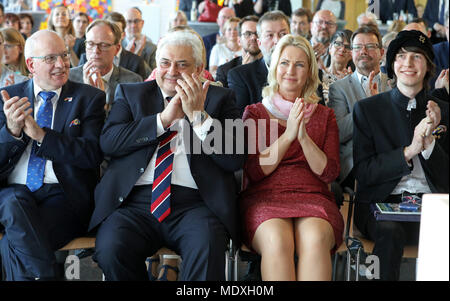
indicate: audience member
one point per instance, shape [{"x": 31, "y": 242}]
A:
[
  {"x": 367, "y": 18},
  {"x": 301, "y": 22},
  {"x": 7, "y": 76},
  {"x": 12, "y": 21},
  {"x": 26, "y": 24},
  {"x": 420, "y": 10},
  {"x": 395, "y": 153},
  {"x": 390, "y": 7},
  {"x": 336, "y": 7},
  {"x": 435, "y": 16},
  {"x": 364, "y": 82},
  {"x": 386, "y": 40},
  {"x": 2, "y": 15},
  {"x": 13, "y": 56},
  {"x": 199, "y": 213},
  {"x": 80, "y": 23},
  {"x": 243, "y": 8},
  {"x": 102, "y": 44},
  {"x": 248, "y": 39},
  {"x": 248, "y": 80},
  {"x": 178, "y": 19},
  {"x": 396, "y": 26},
  {"x": 323, "y": 27},
  {"x": 49, "y": 156},
  {"x": 423, "y": 23},
  {"x": 441, "y": 52},
  {"x": 341, "y": 56},
  {"x": 124, "y": 58},
  {"x": 217, "y": 37},
  {"x": 416, "y": 26},
  {"x": 263, "y": 6},
  {"x": 287, "y": 208},
  {"x": 224, "y": 52},
  {"x": 59, "y": 21},
  {"x": 135, "y": 41}
]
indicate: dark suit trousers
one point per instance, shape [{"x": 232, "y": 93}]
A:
[
  {"x": 36, "y": 224},
  {"x": 131, "y": 234},
  {"x": 390, "y": 238}
]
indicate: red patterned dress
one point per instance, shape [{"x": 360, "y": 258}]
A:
[{"x": 292, "y": 189}]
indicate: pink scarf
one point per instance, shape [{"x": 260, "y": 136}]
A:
[{"x": 280, "y": 107}]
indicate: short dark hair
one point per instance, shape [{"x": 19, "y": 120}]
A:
[
  {"x": 420, "y": 20},
  {"x": 368, "y": 29},
  {"x": 345, "y": 35},
  {"x": 26, "y": 15},
  {"x": 270, "y": 16},
  {"x": 251, "y": 18},
  {"x": 300, "y": 12}
]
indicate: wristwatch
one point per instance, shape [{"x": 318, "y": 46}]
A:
[{"x": 199, "y": 117}]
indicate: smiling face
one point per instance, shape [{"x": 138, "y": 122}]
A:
[
  {"x": 339, "y": 52},
  {"x": 410, "y": 69},
  {"x": 60, "y": 17},
  {"x": 292, "y": 71},
  {"x": 49, "y": 76},
  {"x": 174, "y": 61},
  {"x": 366, "y": 53}
]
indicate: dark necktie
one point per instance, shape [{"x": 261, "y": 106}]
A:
[
  {"x": 36, "y": 165},
  {"x": 160, "y": 203}
]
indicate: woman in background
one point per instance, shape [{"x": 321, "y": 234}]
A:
[{"x": 13, "y": 56}]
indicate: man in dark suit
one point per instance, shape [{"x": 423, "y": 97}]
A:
[
  {"x": 102, "y": 44},
  {"x": 248, "y": 39},
  {"x": 441, "y": 51},
  {"x": 435, "y": 16},
  {"x": 49, "y": 160},
  {"x": 395, "y": 152},
  {"x": 389, "y": 7},
  {"x": 247, "y": 81},
  {"x": 193, "y": 210},
  {"x": 211, "y": 39}
]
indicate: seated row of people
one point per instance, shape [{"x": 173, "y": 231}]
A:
[{"x": 151, "y": 194}]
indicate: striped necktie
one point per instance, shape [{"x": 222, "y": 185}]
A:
[
  {"x": 160, "y": 203},
  {"x": 36, "y": 165}
]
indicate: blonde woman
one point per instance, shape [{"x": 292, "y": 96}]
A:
[
  {"x": 13, "y": 55},
  {"x": 286, "y": 206},
  {"x": 224, "y": 52},
  {"x": 59, "y": 21}
]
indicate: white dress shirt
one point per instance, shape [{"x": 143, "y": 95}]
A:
[
  {"x": 19, "y": 173},
  {"x": 181, "y": 173}
]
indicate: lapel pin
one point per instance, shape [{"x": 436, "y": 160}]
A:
[
  {"x": 75, "y": 122},
  {"x": 68, "y": 99}
]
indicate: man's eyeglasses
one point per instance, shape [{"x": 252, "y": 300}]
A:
[
  {"x": 102, "y": 46},
  {"x": 249, "y": 34},
  {"x": 369, "y": 47},
  {"x": 339, "y": 45},
  {"x": 51, "y": 58},
  {"x": 327, "y": 23},
  {"x": 135, "y": 21}
]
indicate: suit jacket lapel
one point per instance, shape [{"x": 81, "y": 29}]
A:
[
  {"x": 112, "y": 83},
  {"x": 354, "y": 82},
  {"x": 28, "y": 91},
  {"x": 65, "y": 103}
]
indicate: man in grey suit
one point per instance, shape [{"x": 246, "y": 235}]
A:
[
  {"x": 366, "y": 81},
  {"x": 135, "y": 41},
  {"x": 102, "y": 44}
]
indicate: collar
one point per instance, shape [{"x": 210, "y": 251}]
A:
[
  {"x": 107, "y": 76},
  {"x": 361, "y": 77},
  {"x": 38, "y": 89},
  {"x": 119, "y": 53},
  {"x": 406, "y": 103}
]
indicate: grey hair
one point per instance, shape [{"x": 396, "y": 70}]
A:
[
  {"x": 33, "y": 41},
  {"x": 369, "y": 15},
  {"x": 182, "y": 38}
]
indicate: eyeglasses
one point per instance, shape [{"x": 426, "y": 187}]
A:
[
  {"x": 135, "y": 21},
  {"x": 338, "y": 44},
  {"x": 51, "y": 58},
  {"x": 249, "y": 34},
  {"x": 326, "y": 23},
  {"x": 369, "y": 47},
  {"x": 102, "y": 46}
]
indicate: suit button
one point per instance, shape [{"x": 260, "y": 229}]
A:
[
  {"x": 141, "y": 170},
  {"x": 121, "y": 199}
]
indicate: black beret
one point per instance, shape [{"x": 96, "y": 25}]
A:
[{"x": 407, "y": 38}]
